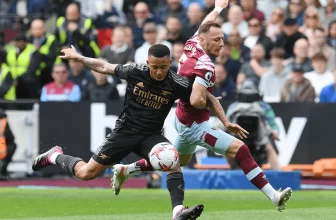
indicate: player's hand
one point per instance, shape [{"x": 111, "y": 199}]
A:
[
  {"x": 236, "y": 129},
  {"x": 221, "y": 3},
  {"x": 69, "y": 53}
]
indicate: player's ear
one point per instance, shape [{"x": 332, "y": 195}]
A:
[
  {"x": 201, "y": 38},
  {"x": 170, "y": 63}
]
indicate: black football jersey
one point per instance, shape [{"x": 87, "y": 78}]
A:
[{"x": 147, "y": 101}]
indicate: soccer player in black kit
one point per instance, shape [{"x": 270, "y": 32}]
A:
[{"x": 151, "y": 92}]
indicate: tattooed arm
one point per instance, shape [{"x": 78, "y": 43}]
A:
[
  {"x": 91, "y": 63},
  {"x": 216, "y": 107}
]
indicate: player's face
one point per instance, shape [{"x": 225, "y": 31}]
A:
[
  {"x": 213, "y": 41},
  {"x": 159, "y": 67}
]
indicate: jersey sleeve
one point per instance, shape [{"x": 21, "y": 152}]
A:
[
  {"x": 123, "y": 71},
  {"x": 203, "y": 77},
  {"x": 182, "y": 85}
]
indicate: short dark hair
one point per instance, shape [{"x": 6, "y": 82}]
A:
[
  {"x": 278, "y": 52},
  {"x": 21, "y": 37},
  {"x": 320, "y": 57},
  {"x": 159, "y": 51},
  {"x": 204, "y": 28},
  {"x": 254, "y": 18}
]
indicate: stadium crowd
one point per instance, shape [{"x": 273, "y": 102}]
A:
[{"x": 286, "y": 47}]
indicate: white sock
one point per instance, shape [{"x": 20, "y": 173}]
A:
[
  {"x": 132, "y": 168},
  {"x": 177, "y": 209},
  {"x": 270, "y": 192},
  {"x": 53, "y": 157}
]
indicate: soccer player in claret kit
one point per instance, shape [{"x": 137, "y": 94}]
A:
[
  {"x": 191, "y": 121},
  {"x": 151, "y": 92}
]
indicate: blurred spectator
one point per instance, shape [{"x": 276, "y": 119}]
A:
[
  {"x": 174, "y": 30},
  {"x": 301, "y": 56},
  {"x": 250, "y": 10},
  {"x": 331, "y": 39},
  {"x": 311, "y": 21},
  {"x": 187, "y": 3},
  {"x": 267, "y": 7},
  {"x": 7, "y": 146},
  {"x": 61, "y": 89},
  {"x": 150, "y": 35},
  {"x": 318, "y": 45},
  {"x": 273, "y": 80},
  {"x": 256, "y": 67},
  {"x": 328, "y": 13},
  {"x": 315, "y": 3},
  {"x": 289, "y": 36},
  {"x": 81, "y": 76},
  {"x": 296, "y": 11},
  {"x": 7, "y": 80},
  {"x": 238, "y": 51},
  {"x": 101, "y": 90},
  {"x": 60, "y": 6},
  {"x": 78, "y": 31},
  {"x": 129, "y": 5},
  {"x": 257, "y": 36},
  {"x": 106, "y": 14},
  {"x": 297, "y": 88},
  {"x": 320, "y": 76},
  {"x": 328, "y": 93},
  {"x": 177, "y": 53},
  {"x": 195, "y": 16},
  {"x": 129, "y": 36},
  {"x": 48, "y": 47},
  {"x": 173, "y": 8},
  {"x": 142, "y": 15},
  {"x": 273, "y": 28},
  {"x": 224, "y": 86},
  {"x": 236, "y": 22},
  {"x": 119, "y": 51},
  {"x": 5, "y": 22},
  {"x": 23, "y": 61},
  {"x": 232, "y": 66}
]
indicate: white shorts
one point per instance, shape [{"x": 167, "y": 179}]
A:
[{"x": 203, "y": 135}]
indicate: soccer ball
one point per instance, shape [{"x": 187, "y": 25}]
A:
[{"x": 163, "y": 156}]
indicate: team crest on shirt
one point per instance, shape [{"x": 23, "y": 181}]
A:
[
  {"x": 104, "y": 156},
  {"x": 164, "y": 92},
  {"x": 208, "y": 76},
  {"x": 140, "y": 84}
]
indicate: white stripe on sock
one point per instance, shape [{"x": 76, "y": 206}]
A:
[
  {"x": 53, "y": 157},
  {"x": 253, "y": 173}
]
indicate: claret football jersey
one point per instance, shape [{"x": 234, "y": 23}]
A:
[{"x": 196, "y": 65}]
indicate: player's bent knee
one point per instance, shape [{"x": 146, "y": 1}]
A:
[{"x": 234, "y": 147}]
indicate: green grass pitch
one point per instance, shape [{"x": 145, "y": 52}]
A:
[{"x": 144, "y": 204}]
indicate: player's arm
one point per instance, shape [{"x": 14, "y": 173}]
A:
[
  {"x": 91, "y": 63},
  {"x": 216, "y": 107},
  {"x": 198, "y": 97},
  {"x": 219, "y": 6}
]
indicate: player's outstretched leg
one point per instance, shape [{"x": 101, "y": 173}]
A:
[
  {"x": 256, "y": 176},
  {"x": 73, "y": 165}
]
